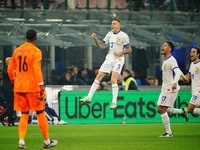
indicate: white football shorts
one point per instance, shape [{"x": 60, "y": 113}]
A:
[
  {"x": 115, "y": 66},
  {"x": 167, "y": 98},
  {"x": 195, "y": 99}
]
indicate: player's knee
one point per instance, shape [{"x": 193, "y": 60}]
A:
[
  {"x": 160, "y": 110},
  {"x": 113, "y": 81},
  {"x": 100, "y": 76},
  {"x": 190, "y": 110}
]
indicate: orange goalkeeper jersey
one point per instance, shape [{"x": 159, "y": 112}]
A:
[{"x": 25, "y": 68}]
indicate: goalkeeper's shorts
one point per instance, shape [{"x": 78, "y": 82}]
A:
[{"x": 28, "y": 101}]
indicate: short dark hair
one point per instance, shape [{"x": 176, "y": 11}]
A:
[
  {"x": 31, "y": 34},
  {"x": 171, "y": 45},
  {"x": 82, "y": 69},
  {"x": 117, "y": 20},
  {"x": 73, "y": 67},
  {"x": 198, "y": 50},
  {"x": 68, "y": 71},
  {"x": 126, "y": 70}
]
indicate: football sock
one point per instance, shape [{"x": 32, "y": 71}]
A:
[
  {"x": 196, "y": 111},
  {"x": 174, "y": 111},
  {"x": 22, "y": 142},
  {"x": 93, "y": 88},
  {"x": 23, "y": 123},
  {"x": 43, "y": 124},
  {"x": 166, "y": 123},
  {"x": 47, "y": 142},
  {"x": 114, "y": 93}
]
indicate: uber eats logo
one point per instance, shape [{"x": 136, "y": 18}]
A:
[{"x": 136, "y": 108}]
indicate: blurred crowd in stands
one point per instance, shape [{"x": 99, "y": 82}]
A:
[
  {"x": 137, "y": 5},
  {"x": 84, "y": 76}
]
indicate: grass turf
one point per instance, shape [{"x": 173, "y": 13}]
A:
[{"x": 106, "y": 137}]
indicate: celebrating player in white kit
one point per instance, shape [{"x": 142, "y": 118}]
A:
[
  {"x": 170, "y": 88},
  {"x": 194, "y": 75},
  {"x": 119, "y": 46}
]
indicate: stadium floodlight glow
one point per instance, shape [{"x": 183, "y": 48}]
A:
[
  {"x": 54, "y": 20},
  {"x": 47, "y": 33},
  {"x": 16, "y": 19},
  {"x": 68, "y": 20},
  {"x": 30, "y": 19}
]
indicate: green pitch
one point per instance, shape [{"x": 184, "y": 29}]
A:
[{"x": 106, "y": 137}]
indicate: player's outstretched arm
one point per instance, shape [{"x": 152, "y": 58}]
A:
[
  {"x": 99, "y": 44},
  {"x": 185, "y": 78},
  {"x": 188, "y": 76},
  {"x": 178, "y": 73}
]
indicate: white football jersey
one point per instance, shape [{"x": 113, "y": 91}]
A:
[
  {"x": 117, "y": 43},
  {"x": 195, "y": 76},
  {"x": 168, "y": 67}
]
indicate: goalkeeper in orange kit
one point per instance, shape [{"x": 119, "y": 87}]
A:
[{"x": 25, "y": 73}]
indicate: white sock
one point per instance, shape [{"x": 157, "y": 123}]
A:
[
  {"x": 47, "y": 142},
  {"x": 196, "y": 111},
  {"x": 22, "y": 142},
  {"x": 93, "y": 88},
  {"x": 175, "y": 111},
  {"x": 114, "y": 93},
  {"x": 166, "y": 123}
]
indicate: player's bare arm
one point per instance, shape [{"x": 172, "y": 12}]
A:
[
  {"x": 187, "y": 78},
  {"x": 99, "y": 44},
  {"x": 174, "y": 86},
  {"x": 126, "y": 50}
]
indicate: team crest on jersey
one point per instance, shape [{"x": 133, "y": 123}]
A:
[
  {"x": 117, "y": 39},
  {"x": 196, "y": 69},
  {"x": 165, "y": 66}
]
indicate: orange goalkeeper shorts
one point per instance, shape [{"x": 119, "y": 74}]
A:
[{"x": 28, "y": 101}]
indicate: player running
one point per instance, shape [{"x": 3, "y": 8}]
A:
[
  {"x": 170, "y": 88},
  {"x": 194, "y": 75},
  {"x": 119, "y": 46},
  {"x": 25, "y": 72}
]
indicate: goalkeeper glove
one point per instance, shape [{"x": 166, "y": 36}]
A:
[
  {"x": 42, "y": 93},
  {"x": 12, "y": 81}
]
